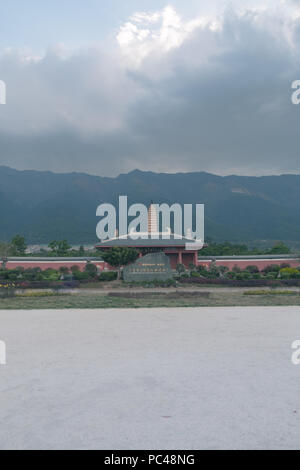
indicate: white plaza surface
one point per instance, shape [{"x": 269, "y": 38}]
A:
[{"x": 186, "y": 378}]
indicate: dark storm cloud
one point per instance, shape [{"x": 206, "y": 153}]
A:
[{"x": 219, "y": 101}]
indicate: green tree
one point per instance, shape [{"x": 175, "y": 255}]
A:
[
  {"x": 252, "y": 269},
  {"x": 223, "y": 249},
  {"x": 59, "y": 248},
  {"x": 214, "y": 270},
  {"x": 289, "y": 273},
  {"x": 64, "y": 270},
  {"x": 202, "y": 270},
  {"x": 280, "y": 249},
  {"x": 53, "y": 247},
  {"x": 18, "y": 245},
  {"x": 223, "y": 270},
  {"x": 119, "y": 256},
  {"x": 192, "y": 267},
  {"x": 5, "y": 251},
  {"x": 81, "y": 251},
  {"x": 271, "y": 268},
  {"x": 180, "y": 268},
  {"x": 51, "y": 274},
  {"x": 74, "y": 269},
  {"x": 91, "y": 269}
]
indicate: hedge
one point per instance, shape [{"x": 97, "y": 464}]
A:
[{"x": 108, "y": 276}]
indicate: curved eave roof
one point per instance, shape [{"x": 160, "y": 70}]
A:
[{"x": 146, "y": 242}]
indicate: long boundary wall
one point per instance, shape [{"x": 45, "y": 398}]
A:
[{"x": 229, "y": 261}]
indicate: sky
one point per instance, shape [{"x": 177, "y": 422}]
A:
[{"x": 105, "y": 87}]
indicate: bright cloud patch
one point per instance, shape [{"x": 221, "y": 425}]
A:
[{"x": 160, "y": 31}]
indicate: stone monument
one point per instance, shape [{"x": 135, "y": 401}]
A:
[{"x": 154, "y": 266}]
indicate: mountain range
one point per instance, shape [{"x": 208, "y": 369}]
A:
[{"x": 44, "y": 206}]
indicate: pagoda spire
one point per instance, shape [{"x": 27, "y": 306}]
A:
[{"x": 152, "y": 219}]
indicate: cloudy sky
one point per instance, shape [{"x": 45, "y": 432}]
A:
[{"x": 105, "y": 87}]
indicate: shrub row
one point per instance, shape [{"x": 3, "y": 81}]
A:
[{"x": 53, "y": 276}]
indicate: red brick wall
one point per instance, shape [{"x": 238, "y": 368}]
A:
[
  {"x": 52, "y": 264},
  {"x": 187, "y": 258},
  {"x": 260, "y": 263}
]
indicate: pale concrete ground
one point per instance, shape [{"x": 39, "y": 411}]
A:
[{"x": 199, "y": 378}]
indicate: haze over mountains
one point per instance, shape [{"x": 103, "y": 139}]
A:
[{"x": 44, "y": 206}]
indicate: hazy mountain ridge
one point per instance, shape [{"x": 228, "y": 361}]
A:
[{"x": 44, "y": 206}]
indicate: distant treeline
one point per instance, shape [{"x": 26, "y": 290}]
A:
[
  {"x": 61, "y": 248},
  {"x": 230, "y": 249}
]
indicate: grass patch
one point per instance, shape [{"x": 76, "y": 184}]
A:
[
  {"x": 96, "y": 301},
  {"x": 39, "y": 294},
  {"x": 271, "y": 292}
]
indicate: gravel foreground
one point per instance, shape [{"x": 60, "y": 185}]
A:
[{"x": 185, "y": 378}]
